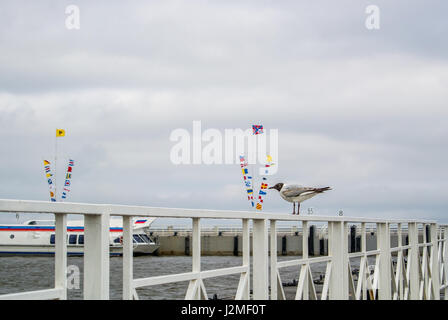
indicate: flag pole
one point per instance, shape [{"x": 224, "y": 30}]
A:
[{"x": 55, "y": 163}]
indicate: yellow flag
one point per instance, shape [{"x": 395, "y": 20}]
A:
[{"x": 60, "y": 133}]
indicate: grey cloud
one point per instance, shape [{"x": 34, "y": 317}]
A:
[{"x": 364, "y": 112}]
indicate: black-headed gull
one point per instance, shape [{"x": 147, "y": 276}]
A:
[{"x": 295, "y": 193}]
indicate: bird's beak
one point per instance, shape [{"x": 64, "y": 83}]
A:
[{"x": 271, "y": 188}]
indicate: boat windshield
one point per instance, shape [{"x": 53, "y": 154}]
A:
[
  {"x": 138, "y": 239},
  {"x": 146, "y": 238}
]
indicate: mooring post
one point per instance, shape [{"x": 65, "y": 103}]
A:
[
  {"x": 385, "y": 276},
  {"x": 96, "y": 257},
  {"x": 128, "y": 272},
  {"x": 435, "y": 277},
  {"x": 413, "y": 262},
  {"x": 353, "y": 238},
  {"x": 321, "y": 246},
  {"x": 284, "y": 243},
  {"x": 60, "y": 254},
  {"x": 406, "y": 241},
  {"x": 260, "y": 259},
  {"x": 338, "y": 250},
  {"x": 187, "y": 246},
  {"x": 235, "y": 246},
  {"x": 311, "y": 236}
]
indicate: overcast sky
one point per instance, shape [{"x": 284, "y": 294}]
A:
[{"x": 363, "y": 111}]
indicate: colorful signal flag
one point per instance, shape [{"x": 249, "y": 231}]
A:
[
  {"x": 257, "y": 129},
  {"x": 60, "y": 133}
]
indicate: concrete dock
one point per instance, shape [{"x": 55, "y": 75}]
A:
[{"x": 226, "y": 241}]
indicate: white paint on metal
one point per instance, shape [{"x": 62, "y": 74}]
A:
[
  {"x": 421, "y": 278},
  {"x": 60, "y": 254},
  {"x": 385, "y": 275},
  {"x": 434, "y": 265},
  {"x": 260, "y": 260},
  {"x": 413, "y": 262},
  {"x": 338, "y": 250},
  {"x": 47, "y": 294},
  {"x": 128, "y": 269},
  {"x": 96, "y": 257},
  {"x": 121, "y": 210},
  {"x": 273, "y": 266}
]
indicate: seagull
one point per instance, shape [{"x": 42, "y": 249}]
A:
[{"x": 295, "y": 193}]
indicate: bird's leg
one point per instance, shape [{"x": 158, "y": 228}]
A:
[
  {"x": 298, "y": 208},
  {"x": 293, "y": 208}
]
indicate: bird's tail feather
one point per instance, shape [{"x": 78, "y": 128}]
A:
[{"x": 320, "y": 190}]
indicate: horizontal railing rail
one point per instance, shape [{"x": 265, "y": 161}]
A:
[{"x": 124, "y": 210}]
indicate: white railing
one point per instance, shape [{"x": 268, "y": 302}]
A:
[{"x": 421, "y": 276}]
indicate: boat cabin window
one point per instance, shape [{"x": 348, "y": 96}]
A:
[
  {"x": 117, "y": 240},
  {"x": 145, "y": 237},
  {"x": 52, "y": 237},
  {"x": 81, "y": 239},
  {"x": 138, "y": 239},
  {"x": 72, "y": 239}
]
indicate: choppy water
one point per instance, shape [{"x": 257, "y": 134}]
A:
[{"x": 18, "y": 274}]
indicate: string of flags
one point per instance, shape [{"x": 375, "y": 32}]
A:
[
  {"x": 264, "y": 184},
  {"x": 248, "y": 180},
  {"x": 49, "y": 176},
  {"x": 51, "y": 179},
  {"x": 68, "y": 178}
]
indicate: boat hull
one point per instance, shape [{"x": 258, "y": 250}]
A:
[
  {"x": 37, "y": 237},
  {"x": 48, "y": 250}
]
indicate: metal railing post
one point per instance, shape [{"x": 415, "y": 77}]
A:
[
  {"x": 196, "y": 245},
  {"x": 246, "y": 256},
  {"x": 260, "y": 259},
  {"x": 273, "y": 243},
  {"x": 128, "y": 271},
  {"x": 243, "y": 291},
  {"x": 196, "y": 289},
  {"x": 60, "y": 253},
  {"x": 96, "y": 257},
  {"x": 413, "y": 262},
  {"x": 445, "y": 260},
  {"x": 400, "y": 293},
  {"x": 385, "y": 275},
  {"x": 434, "y": 262},
  {"x": 337, "y": 249},
  {"x": 364, "y": 257},
  {"x": 305, "y": 255}
]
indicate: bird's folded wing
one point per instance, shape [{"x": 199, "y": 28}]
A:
[{"x": 295, "y": 190}]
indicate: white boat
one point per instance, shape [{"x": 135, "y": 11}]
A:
[{"x": 37, "y": 237}]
